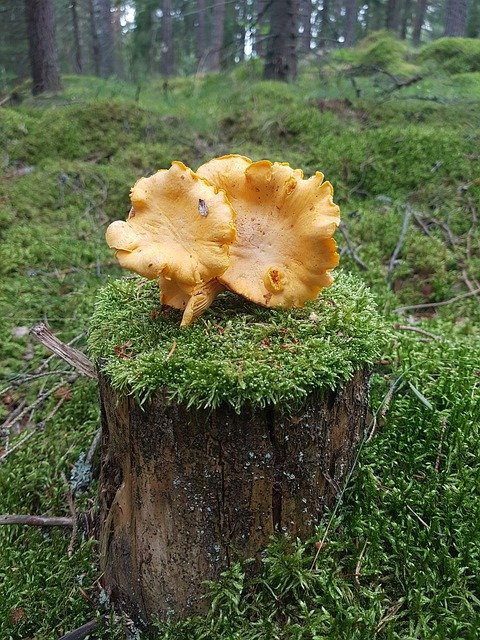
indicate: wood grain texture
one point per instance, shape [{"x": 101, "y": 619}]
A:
[{"x": 183, "y": 493}]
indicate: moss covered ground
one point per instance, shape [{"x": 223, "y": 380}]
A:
[{"x": 400, "y": 557}]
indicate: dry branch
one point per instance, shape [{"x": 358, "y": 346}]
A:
[
  {"x": 440, "y": 444},
  {"x": 423, "y": 332},
  {"x": 350, "y": 250},
  {"x": 36, "y": 521},
  {"x": 359, "y": 562},
  {"x": 42, "y": 396},
  {"x": 74, "y": 517},
  {"x": 433, "y": 305},
  {"x": 401, "y": 240},
  {"x": 93, "y": 447},
  {"x": 83, "y": 631},
  {"x": 71, "y": 355}
]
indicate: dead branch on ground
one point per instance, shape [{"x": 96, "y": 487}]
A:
[
  {"x": 401, "y": 240},
  {"x": 433, "y": 305},
  {"x": 403, "y": 327},
  {"x": 350, "y": 249},
  {"x": 71, "y": 355},
  {"x": 36, "y": 521}
]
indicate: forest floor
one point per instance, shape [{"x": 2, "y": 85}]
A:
[{"x": 400, "y": 557}]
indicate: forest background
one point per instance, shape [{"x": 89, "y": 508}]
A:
[
  {"x": 383, "y": 97},
  {"x": 135, "y": 40}
]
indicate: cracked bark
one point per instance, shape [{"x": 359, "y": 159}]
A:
[{"x": 183, "y": 493}]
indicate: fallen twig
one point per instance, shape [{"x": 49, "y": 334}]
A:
[
  {"x": 407, "y": 327},
  {"x": 425, "y": 524},
  {"x": 433, "y": 305},
  {"x": 398, "y": 83},
  {"x": 401, "y": 240},
  {"x": 93, "y": 447},
  {"x": 37, "y": 521},
  {"x": 359, "y": 563},
  {"x": 452, "y": 240},
  {"x": 440, "y": 444},
  {"x": 45, "y": 363},
  {"x": 42, "y": 423},
  {"x": 40, "y": 399},
  {"x": 83, "y": 631},
  {"x": 351, "y": 251},
  {"x": 17, "y": 445},
  {"x": 12, "y": 417},
  {"x": 384, "y": 407},
  {"x": 419, "y": 220},
  {"x": 71, "y": 355},
  {"x": 390, "y": 615},
  {"x": 468, "y": 282},
  {"x": 73, "y": 513},
  {"x": 19, "y": 380}
]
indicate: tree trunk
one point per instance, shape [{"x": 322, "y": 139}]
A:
[
  {"x": 337, "y": 26},
  {"x": 351, "y": 15},
  {"x": 94, "y": 37},
  {"x": 76, "y": 38},
  {"x": 378, "y": 15},
  {"x": 418, "y": 20},
  {"x": 118, "y": 39},
  {"x": 473, "y": 24},
  {"x": 41, "y": 38},
  {"x": 406, "y": 18},
  {"x": 201, "y": 29},
  {"x": 107, "y": 43},
  {"x": 183, "y": 494},
  {"x": 392, "y": 22},
  {"x": 305, "y": 18},
  {"x": 281, "y": 60},
  {"x": 325, "y": 33},
  {"x": 166, "y": 65},
  {"x": 456, "y": 18},
  {"x": 259, "y": 47},
  {"x": 216, "y": 39},
  {"x": 240, "y": 43}
]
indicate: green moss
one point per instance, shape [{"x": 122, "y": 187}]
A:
[
  {"x": 36, "y": 574},
  {"x": 454, "y": 55},
  {"x": 237, "y": 353},
  {"x": 395, "y": 161},
  {"x": 382, "y": 51},
  {"x": 14, "y": 127},
  {"x": 379, "y": 51},
  {"x": 94, "y": 131}
]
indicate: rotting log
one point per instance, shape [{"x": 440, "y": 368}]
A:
[{"x": 183, "y": 493}]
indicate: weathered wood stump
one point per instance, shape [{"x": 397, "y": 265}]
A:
[{"x": 183, "y": 493}]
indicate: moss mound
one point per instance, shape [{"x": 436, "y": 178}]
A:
[
  {"x": 95, "y": 131},
  {"x": 237, "y": 353},
  {"x": 382, "y": 50},
  {"x": 379, "y": 51},
  {"x": 454, "y": 55}
]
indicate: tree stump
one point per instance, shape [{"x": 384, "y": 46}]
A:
[{"x": 268, "y": 411}]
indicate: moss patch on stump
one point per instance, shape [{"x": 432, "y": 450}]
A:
[{"x": 237, "y": 353}]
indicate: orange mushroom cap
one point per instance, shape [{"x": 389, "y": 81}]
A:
[
  {"x": 284, "y": 249},
  {"x": 179, "y": 230}
]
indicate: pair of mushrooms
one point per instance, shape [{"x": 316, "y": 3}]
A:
[{"x": 256, "y": 228}]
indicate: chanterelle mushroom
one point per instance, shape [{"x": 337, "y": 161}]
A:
[
  {"x": 179, "y": 231},
  {"x": 284, "y": 249}
]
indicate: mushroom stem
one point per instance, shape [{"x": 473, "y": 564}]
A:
[{"x": 201, "y": 299}]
